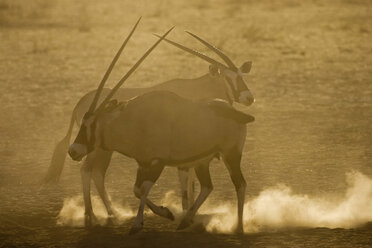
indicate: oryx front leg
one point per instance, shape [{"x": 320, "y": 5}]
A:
[
  {"x": 138, "y": 223},
  {"x": 158, "y": 210},
  {"x": 232, "y": 162},
  {"x": 146, "y": 177},
  {"x": 99, "y": 168},
  {"x": 206, "y": 187},
  {"x": 86, "y": 171},
  {"x": 186, "y": 177}
]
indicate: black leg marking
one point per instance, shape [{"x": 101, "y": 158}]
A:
[
  {"x": 232, "y": 161},
  {"x": 148, "y": 173},
  {"x": 204, "y": 176}
]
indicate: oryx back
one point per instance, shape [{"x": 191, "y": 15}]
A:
[{"x": 162, "y": 125}]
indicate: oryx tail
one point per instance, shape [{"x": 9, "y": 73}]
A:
[{"x": 59, "y": 155}]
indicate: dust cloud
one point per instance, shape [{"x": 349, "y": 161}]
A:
[
  {"x": 72, "y": 212},
  {"x": 278, "y": 207},
  {"x": 274, "y": 208}
]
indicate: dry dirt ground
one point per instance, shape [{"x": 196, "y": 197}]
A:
[{"x": 311, "y": 76}]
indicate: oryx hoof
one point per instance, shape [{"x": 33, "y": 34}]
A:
[
  {"x": 111, "y": 220},
  {"x": 135, "y": 229},
  {"x": 184, "y": 224},
  {"x": 239, "y": 230},
  {"x": 90, "y": 220},
  {"x": 167, "y": 213}
]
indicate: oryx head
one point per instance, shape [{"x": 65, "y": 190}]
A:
[
  {"x": 86, "y": 140},
  {"x": 236, "y": 87}
]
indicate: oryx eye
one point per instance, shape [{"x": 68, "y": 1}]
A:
[{"x": 214, "y": 70}]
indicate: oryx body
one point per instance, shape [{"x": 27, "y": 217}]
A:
[
  {"x": 206, "y": 87},
  {"x": 160, "y": 128}
]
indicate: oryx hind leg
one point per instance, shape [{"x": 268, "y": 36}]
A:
[
  {"x": 206, "y": 187},
  {"x": 186, "y": 177},
  {"x": 232, "y": 161},
  {"x": 147, "y": 175}
]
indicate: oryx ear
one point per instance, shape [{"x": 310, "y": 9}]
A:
[
  {"x": 246, "y": 67},
  {"x": 213, "y": 70},
  {"x": 111, "y": 105}
]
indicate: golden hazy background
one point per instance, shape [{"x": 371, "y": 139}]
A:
[{"x": 311, "y": 77}]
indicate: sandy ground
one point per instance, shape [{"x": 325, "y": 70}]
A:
[{"x": 311, "y": 78}]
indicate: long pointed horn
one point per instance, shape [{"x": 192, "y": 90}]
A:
[
  {"x": 194, "y": 52},
  {"x": 216, "y": 50},
  {"x": 107, "y": 74},
  {"x": 126, "y": 76}
]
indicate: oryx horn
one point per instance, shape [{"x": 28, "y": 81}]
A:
[
  {"x": 126, "y": 76},
  {"x": 107, "y": 74},
  {"x": 216, "y": 50},
  {"x": 194, "y": 52}
]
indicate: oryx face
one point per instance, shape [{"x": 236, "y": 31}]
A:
[
  {"x": 85, "y": 140},
  {"x": 235, "y": 83}
]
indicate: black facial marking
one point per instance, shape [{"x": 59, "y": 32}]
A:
[
  {"x": 234, "y": 91},
  {"x": 92, "y": 141},
  {"x": 240, "y": 84},
  {"x": 82, "y": 137}
]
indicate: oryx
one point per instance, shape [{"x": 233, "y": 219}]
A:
[
  {"x": 224, "y": 82},
  {"x": 161, "y": 128}
]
